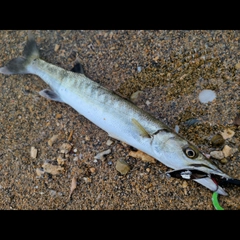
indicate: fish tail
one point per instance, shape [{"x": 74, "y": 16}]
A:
[{"x": 20, "y": 65}]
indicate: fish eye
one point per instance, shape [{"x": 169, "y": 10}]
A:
[{"x": 191, "y": 153}]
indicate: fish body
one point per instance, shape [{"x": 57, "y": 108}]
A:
[{"x": 120, "y": 118}]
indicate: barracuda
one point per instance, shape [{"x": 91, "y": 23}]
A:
[{"x": 120, "y": 118}]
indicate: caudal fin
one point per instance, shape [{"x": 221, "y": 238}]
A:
[{"x": 19, "y": 65}]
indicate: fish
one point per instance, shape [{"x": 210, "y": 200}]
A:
[{"x": 119, "y": 117}]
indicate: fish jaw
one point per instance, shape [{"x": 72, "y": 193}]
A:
[{"x": 210, "y": 184}]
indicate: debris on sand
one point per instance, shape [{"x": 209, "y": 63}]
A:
[
  {"x": 33, "y": 152},
  {"x": 52, "y": 169},
  {"x": 52, "y": 140},
  {"x": 217, "y": 155},
  {"x": 122, "y": 166},
  {"x": 102, "y": 154},
  {"x": 65, "y": 148},
  {"x": 227, "y": 133},
  {"x": 73, "y": 186},
  {"x": 143, "y": 156}
]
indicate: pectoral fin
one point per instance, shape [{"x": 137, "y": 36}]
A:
[
  {"x": 140, "y": 129},
  {"x": 49, "y": 94}
]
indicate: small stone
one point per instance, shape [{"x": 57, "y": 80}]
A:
[
  {"x": 217, "y": 140},
  {"x": 122, "y": 166},
  {"x": 75, "y": 150},
  {"x": 58, "y": 116},
  {"x": 148, "y": 170},
  {"x": 52, "y": 193},
  {"x": 87, "y": 180},
  {"x": 109, "y": 142},
  {"x": 92, "y": 170},
  {"x": 39, "y": 171},
  {"x": 143, "y": 156},
  {"x": 134, "y": 97},
  {"x": 52, "y": 140},
  {"x": 228, "y": 151},
  {"x": 176, "y": 128},
  {"x": 33, "y": 152},
  {"x": 217, "y": 155},
  {"x": 65, "y": 148},
  {"x": 237, "y": 66},
  {"x": 61, "y": 160},
  {"x": 56, "y": 48},
  {"x": 102, "y": 154},
  {"x": 224, "y": 160},
  {"x": 87, "y": 138},
  {"x": 52, "y": 169},
  {"x": 148, "y": 102},
  {"x": 75, "y": 159},
  {"x": 139, "y": 69},
  {"x": 227, "y": 133},
  {"x": 185, "y": 184}
]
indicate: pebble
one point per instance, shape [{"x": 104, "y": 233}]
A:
[
  {"x": 134, "y": 97},
  {"x": 237, "y": 66},
  {"x": 75, "y": 150},
  {"x": 61, "y": 160},
  {"x": 184, "y": 184},
  {"x": 52, "y": 140},
  {"x": 75, "y": 159},
  {"x": 33, "y": 152},
  {"x": 92, "y": 170},
  {"x": 87, "y": 180},
  {"x": 122, "y": 166},
  {"x": 39, "y": 171},
  {"x": 58, "y": 116},
  {"x": 224, "y": 160},
  {"x": 139, "y": 69},
  {"x": 217, "y": 140},
  {"x": 56, "y": 48},
  {"x": 148, "y": 102},
  {"x": 65, "y": 148},
  {"x": 52, "y": 169},
  {"x": 143, "y": 156},
  {"x": 217, "y": 155},
  {"x": 228, "y": 151},
  {"x": 227, "y": 133},
  {"x": 52, "y": 193},
  {"x": 176, "y": 129},
  {"x": 206, "y": 96},
  {"x": 109, "y": 142},
  {"x": 102, "y": 154}
]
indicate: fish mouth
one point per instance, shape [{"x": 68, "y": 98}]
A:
[
  {"x": 198, "y": 172},
  {"x": 210, "y": 178}
]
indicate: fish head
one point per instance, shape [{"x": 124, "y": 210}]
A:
[{"x": 187, "y": 160}]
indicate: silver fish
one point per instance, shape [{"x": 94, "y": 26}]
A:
[{"x": 120, "y": 118}]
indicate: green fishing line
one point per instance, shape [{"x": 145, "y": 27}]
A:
[{"x": 215, "y": 201}]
